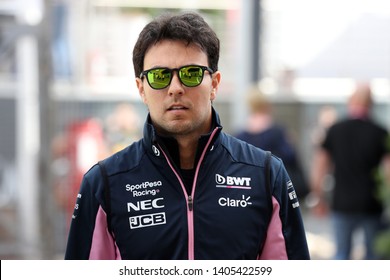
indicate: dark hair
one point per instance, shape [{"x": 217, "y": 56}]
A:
[{"x": 189, "y": 27}]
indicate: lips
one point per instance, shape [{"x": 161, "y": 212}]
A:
[{"x": 177, "y": 107}]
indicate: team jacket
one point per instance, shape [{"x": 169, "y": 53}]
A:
[{"x": 227, "y": 215}]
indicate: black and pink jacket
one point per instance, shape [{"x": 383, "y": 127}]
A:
[{"x": 226, "y": 215}]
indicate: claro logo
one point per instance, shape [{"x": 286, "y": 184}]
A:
[
  {"x": 229, "y": 202},
  {"x": 232, "y": 182},
  {"x": 148, "y": 204}
]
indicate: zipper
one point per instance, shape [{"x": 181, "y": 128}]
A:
[
  {"x": 190, "y": 213},
  {"x": 189, "y": 197},
  {"x": 190, "y": 203}
]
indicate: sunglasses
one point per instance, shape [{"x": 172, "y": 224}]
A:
[{"x": 189, "y": 75}]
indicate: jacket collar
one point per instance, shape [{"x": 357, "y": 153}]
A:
[{"x": 153, "y": 141}]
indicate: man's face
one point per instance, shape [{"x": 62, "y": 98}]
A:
[{"x": 178, "y": 110}]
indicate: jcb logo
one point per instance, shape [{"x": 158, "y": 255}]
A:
[
  {"x": 147, "y": 220},
  {"x": 148, "y": 204}
]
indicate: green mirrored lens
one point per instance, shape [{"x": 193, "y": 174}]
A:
[
  {"x": 191, "y": 76},
  {"x": 159, "y": 78}
]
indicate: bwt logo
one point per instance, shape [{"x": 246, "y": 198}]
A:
[
  {"x": 148, "y": 204},
  {"x": 232, "y": 181}
]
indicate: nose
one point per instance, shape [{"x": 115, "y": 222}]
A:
[{"x": 175, "y": 87}]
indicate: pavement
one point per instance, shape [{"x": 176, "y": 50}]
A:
[{"x": 320, "y": 238}]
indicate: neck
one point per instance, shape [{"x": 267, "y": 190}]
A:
[
  {"x": 187, "y": 151},
  {"x": 358, "y": 112}
]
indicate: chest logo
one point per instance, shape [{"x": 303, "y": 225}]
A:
[
  {"x": 229, "y": 202},
  {"x": 232, "y": 182},
  {"x": 147, "y": 220},
  {"x": 143, "y": 205}
]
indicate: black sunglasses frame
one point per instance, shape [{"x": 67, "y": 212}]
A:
[{"x": 171, "y": 70}]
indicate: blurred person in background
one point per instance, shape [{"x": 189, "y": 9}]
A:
[
  {"x": 186, "y": 190},
  {"x": 122, "y": 127},
  {"x": 352, "y": 150},
  {"x": 327, "y": 116},
  {"x": 262, "y": 131}
]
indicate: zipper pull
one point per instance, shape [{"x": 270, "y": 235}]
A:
[{"x": 190, "y": 203}]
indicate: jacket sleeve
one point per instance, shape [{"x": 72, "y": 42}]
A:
[
  {"x": 286, "y": 237},
  {"x": 88, "y": 235}
]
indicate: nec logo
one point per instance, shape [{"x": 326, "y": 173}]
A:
[
  {"x": 232, "y": 182},
  {"x": 148, "y": 204}
]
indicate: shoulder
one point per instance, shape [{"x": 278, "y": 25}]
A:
[
  {"x": 121, "y": 161},
  {"x": 241, "y": 151},
  {"x": 379, "y": 128}
]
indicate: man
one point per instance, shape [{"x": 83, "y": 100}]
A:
[
  {"x": 186, "y": 190},
  {"x": 263, "y": 131},
  {"x": 354, "y": 147}
]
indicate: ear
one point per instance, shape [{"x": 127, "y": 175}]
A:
[
  {"x": 215, "y": 83},
  {"x": 141, "y": 89}
]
